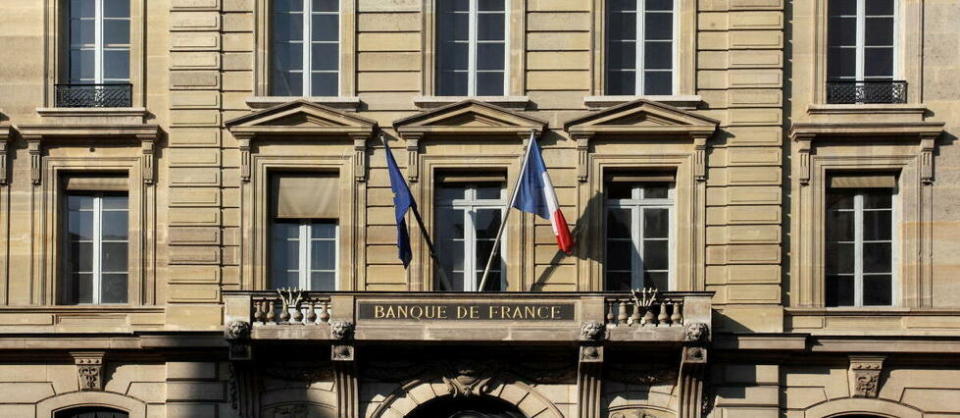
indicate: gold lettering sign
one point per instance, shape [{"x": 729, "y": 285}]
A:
[{"x": 426, "y": 311}]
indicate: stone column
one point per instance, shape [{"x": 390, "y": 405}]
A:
[{"x": 590, "y": 381}]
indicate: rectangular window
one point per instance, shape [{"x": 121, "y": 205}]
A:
[
  {"x": 639, "y": 230},
  {"x": 99, "y": 39},
  {"x": 305, "y": 48},
  {"x": 859, "y": 259},
  {"x": 640, "y": 45},
  {"x": 469, "y": 211},
  {"x": 472, "y": 52},
  {"x": 304, "y": 231},
  {"x": 96, "y": 240},
  {"x": 861, "y": 40}
]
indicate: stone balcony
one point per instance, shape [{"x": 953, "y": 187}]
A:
[{"x": 641, "y": 317}]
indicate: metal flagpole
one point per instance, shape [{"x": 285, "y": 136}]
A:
[
  {"x": 503, "y": 223},
  {"x": 423, "y": 232}
]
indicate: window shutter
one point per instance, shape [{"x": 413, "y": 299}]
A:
[
  {"x": 641, "y": 177},
  {"x": 305, "y": 196},
  {"x": 105, "y": 183},
  {"x": 864, "y": 181}
]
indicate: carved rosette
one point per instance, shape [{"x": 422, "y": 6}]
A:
[
  {"x": 592, "y": 331},
  {"x": 865, "y": 375},
  {"x": 89, "y": 369}
]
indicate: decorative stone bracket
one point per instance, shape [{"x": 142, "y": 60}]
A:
[
  {"x": 4, "y": 141},
  {"x": 693, "y": 362},
  {"x": 89, "y": 369},
  {"x": 865, "y": 375}
]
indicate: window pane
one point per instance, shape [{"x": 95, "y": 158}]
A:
[
  {"x": 82, "y": 66},
  {"x": 326, "y": 229},
  {"x": 842, "y": 7},
  {"x": 841, "y": 63},
  {"x": 114, "y": 201},
  {"x": 655, "y": 255},
  {"x": 452, "y": 84},
  {"x": 620, "y": 190},
  {"x": 840, "y": 225},
  {"x": 879, "y": 31},
  {"x": 116, "y": 31},
  {"x": 449, "y": 192},
  {"x": 879, "y": 7},
  {"x": 454, "y": 56},
  {"x": 621, "y": 82},
  {"x": 656, "y": 190},
  {"x": 877, "y": 291},
  {"x": 326, "y": 27},
  {"x": 659, "y": 280},
  {"x": 658, "y": 26},
  {"x": 618, "y": 281},
  {"x": 657, "y": 82},
  {"x": 877, "y": 225},
  {"x": 80, "y": 257},
  {"x": 839, "y": 291},
  {"x": 323, "y": 281},
  {"x": 116, "y": 65},
  {"x": 622, "y": 55},
  {"x": 323, "y": 255},
  {"x": 656, "y": 223},
  {"x": 493, "y": 281},
  {"x": 490, "y": 84},
  {"x": 82, "y": 32},
  {"x": 839, "y": 258},
  {"x": 489, "y": 190},
  {"x": 285, "y": 279},
  {"x": 659, "y": 4},
  {"x": 618, "y": 223},
  {"x": 84, "y": 288},
  {"x": 326, "y": 57},
  {"x": 113, "y": 289},
  {"x": 326, "y": 5},
  {"x": 114, "y": 257},
  {"x": 80, "y": 225},
  {"x": 324, "y": 84},
  {"x": 490, "y": 5},
  {"x": 286, "y": 84},
  {"x": 284, "y": 250},
  {"x": 619, "y": 255},
  {"x": 876, "y": 258},
  {"x": 287, "y": 27},
  {"x": 490, "y": 57},
  {"x": 116, "y": 8},
  {"x": 82, "y": 8},
  {"x": 838, "y": 199},
  {"x": 842, "y": 31},
  {"x": 878, "y": 199},
  {"x": 487, "y": 222},
  {"x": 114, "y": 225},
  {"x": 622, "y": 26},
  {"x": 878, "y": 62},
  {"x": 658, "y": 55},
  {"x": 490, "y": 26}
]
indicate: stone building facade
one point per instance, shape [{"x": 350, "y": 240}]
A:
[{"x": 783, "y": 172}]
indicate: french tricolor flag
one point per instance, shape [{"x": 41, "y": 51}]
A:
[{"x": 535, "y": 194}]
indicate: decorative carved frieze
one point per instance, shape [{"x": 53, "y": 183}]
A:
[
  {"x": 89, "y": 369},
  {"x": 468, "y": 381},
  {"x": 341, "y": 352},
  {"x": 865, "y": 375}
]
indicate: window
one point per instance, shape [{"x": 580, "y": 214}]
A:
[
  {"x": 305, "y": 48},
  {"x": 639, "y": 230},
  {"x": 472, "y": 48},
  {"x": 640, "y": 43},
  {"x": 861, "y": 41},
  {"x": 96, "y": 241},
  {"x": 98, "y": 60},
  {"x": 91, "y": 412},
  {"x": 469, "y": 210},
  {"x": 860, "y": 243},
  {"x": 304, "y": 231}
]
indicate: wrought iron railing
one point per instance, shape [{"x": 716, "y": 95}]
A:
[
  {"x": 866, "y": 92},
  {"x": 94, "y": 95}
]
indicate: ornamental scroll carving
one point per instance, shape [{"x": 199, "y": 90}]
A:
[
  {"x": 89, "y": 369},
  {"x": 468, "y": 381},
  {"x": 865, "y": 375}
]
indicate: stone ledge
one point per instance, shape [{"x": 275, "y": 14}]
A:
[
  {"x": 349, "y": 103},
  {"x": 687, "y": 102},
  {"x": 507, "y": 102},
  {"x": 93, "y": 115},
  {"x": 839, "y": 113}
]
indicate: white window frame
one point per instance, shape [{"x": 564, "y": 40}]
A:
[
  {"x": 306, "y": 66},
  {"x": 473, "y": 41},
  {"x": 861, "y": 39},
  {"x": 98, "y": 43},
  {"x": 636, "y": 205},
  {"x": 304, "y": 259},
  {"x": 640, "y": 42},
  {"x": 858, "y": 253},
  {"x": 97, "y": 252},
  {"x": 470, "y": 204}
]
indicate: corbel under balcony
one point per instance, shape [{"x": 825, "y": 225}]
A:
[
  {"x": 36, "y": 135},
  {"x": 926, "y": 133}
]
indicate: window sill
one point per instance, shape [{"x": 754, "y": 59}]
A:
[
  {"x": 508, "y": 102},
  {"x": 687, "y": 102},
  {"x": 93, "y": 115},
  {"x": 348, "y": 103},
  {"x": 833, "y": 113}
]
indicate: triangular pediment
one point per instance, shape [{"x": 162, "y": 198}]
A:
[
  {"x": 469, "y": 117},
  {"x": 642, "y": 117},
  {"x": 301, "y": 117}
]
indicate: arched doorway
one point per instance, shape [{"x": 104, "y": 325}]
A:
[
  {"x": 449, "y": 407},
  {"x": 91, "y": 412}
]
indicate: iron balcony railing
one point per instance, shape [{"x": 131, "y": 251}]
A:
[
  {"x": 866, "y": 92},
  {"x": 94, "y": 95}
]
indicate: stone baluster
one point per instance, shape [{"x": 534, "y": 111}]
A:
[
  {"x": 325, "y": 312},
  {"x": 622, "y": 316},
  {"x": 271, "y": 315},
  {"x": 609, "y": 308},
  {"x": 284, "y": 312},
  {"x": 635, "y": 316},
  {"x": 675, "y": 317},
  {"x": 647, "y": 317},
  {"x": 298, "y": 313},
  {"x": 258, "y": 314},
  {"x": 312, "y": 312},
  {"x": 663, "y": 319}
]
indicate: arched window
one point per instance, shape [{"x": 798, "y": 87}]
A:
[
  {"x": 859, "y": 416},
  {"x": 447, "y": 407},
  {"x": 91, "y": 412}
]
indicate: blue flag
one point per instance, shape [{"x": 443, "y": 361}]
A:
[{"x": 402, "y": 201}]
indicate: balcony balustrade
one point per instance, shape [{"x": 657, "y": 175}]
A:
[
  {"x": 94, "y": 95},
  {"x": 866, "y": 92}
]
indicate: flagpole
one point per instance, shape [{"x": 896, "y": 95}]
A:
[
  {"x": 503, "y": 222},
  {"x": 423, "y": 232}
]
